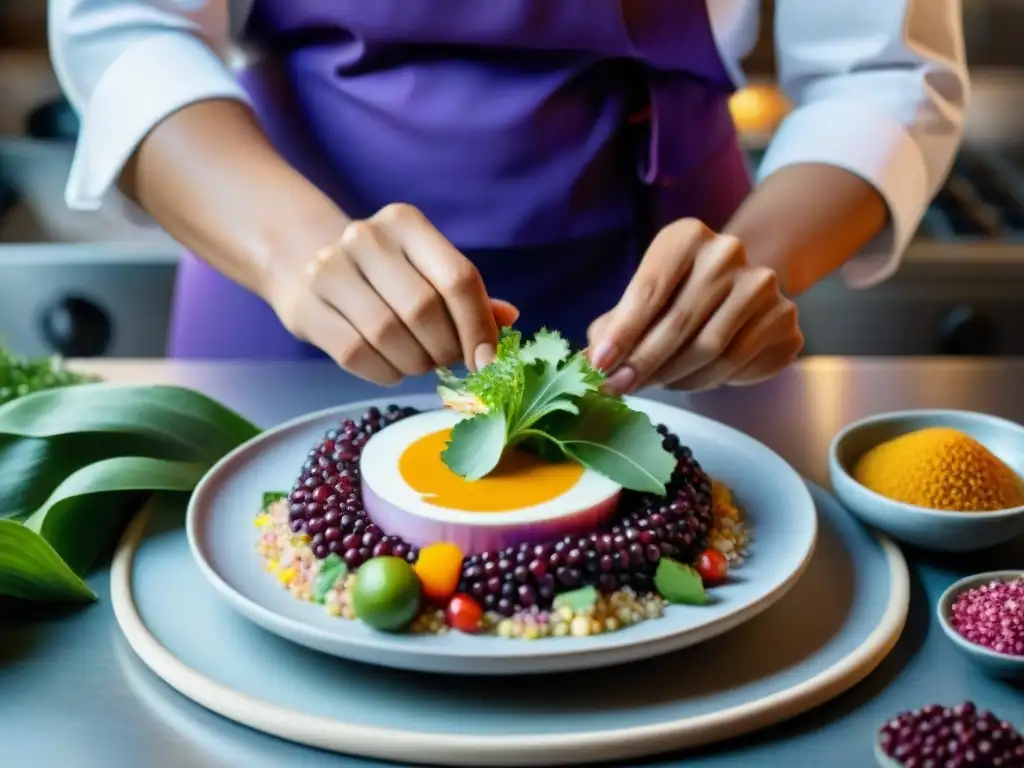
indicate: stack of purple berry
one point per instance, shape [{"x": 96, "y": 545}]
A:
[
  {"x": 943, "y": 737},
  {"x": 326, "y": 501},
  {"x": 326, "y": 504},
  {"x": 624, "y": 556}
]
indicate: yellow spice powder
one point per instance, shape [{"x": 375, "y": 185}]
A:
[{"x": 940, "y": 468}]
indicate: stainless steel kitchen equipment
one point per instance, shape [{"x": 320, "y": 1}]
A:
[
  {"x": 94, "y": 299},
  {"x": 72, "y": 283}
]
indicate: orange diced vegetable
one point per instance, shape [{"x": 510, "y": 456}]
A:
[{"x": 439, "y": 567}]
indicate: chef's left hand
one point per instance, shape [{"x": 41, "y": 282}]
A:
[{"x": 696, "y": 315}]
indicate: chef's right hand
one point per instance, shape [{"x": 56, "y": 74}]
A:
[{"x": 393, "y": 298}]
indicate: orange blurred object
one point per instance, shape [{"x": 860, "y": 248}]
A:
[
  {"x": 439, "y": 567},
  {"x": 758, "y": 109}
]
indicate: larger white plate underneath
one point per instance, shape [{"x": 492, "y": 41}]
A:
[{"x": 833, "y": 628}]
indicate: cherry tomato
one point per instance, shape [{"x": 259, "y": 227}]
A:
[
  {"x": 465, "y": 614},
  {"x": 712, "y": 566}
]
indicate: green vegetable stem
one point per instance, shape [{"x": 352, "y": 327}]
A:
[
  {"x": 73, "y": 463},
  {"x": 541, "y": 395}
]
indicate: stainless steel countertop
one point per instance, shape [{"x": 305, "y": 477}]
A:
[{"x": 73, "y": 695}]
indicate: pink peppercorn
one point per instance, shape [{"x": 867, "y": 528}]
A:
[{"x": 992, "y": 616}]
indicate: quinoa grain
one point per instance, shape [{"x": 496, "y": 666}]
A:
[{"x": 290, "y": 559}]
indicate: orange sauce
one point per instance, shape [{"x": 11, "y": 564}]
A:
[{"x": 520, "y": 479}]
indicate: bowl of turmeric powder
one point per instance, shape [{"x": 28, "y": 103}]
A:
[{"x": 938, "y": 479}]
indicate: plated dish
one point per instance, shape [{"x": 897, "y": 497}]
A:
[
  {"x": 582, "y": 561},
  {"x": 503, "y": 511},
  {"x": 440, "y": 537}
]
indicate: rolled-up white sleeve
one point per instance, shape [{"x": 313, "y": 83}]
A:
[
  {"x": 879, "y": 88},
  {"x": 125, "y": 66}
]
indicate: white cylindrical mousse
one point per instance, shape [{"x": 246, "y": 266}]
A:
[{"x": 400, "y": 510}]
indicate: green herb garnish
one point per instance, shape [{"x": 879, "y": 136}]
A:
[
  {"x": 331, "y": 569},
  {"x": 679, "y": 583},
  {"x": 20, "y": 376},
  {"x": 541, "y": 395},
  {"x": 271, "y": 497},
  {"x": 578, "y": 600}
]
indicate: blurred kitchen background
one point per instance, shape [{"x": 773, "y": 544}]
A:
[{"x": 91, "y": 285}]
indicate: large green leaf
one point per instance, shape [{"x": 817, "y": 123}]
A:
[
  {"x": 32, "y": 468},
  {"x": 75, "y": 462},
  {"x": 82, "y": 515},
  {"x": 32, "y": 570},
  {"x": 618, "y": 442},
  {"x": 167, "y": 417}
]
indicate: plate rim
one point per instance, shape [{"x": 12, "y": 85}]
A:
[
  {"x": 510, "y": 750},
  {"x": 622, "y": 648}
]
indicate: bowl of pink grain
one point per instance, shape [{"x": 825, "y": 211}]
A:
[{"x": 984, "y": 616}]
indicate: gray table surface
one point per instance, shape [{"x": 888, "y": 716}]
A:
[{"x": 73, "y": 696}]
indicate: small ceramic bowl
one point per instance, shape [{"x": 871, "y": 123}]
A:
[
  {"x": 883, "y": 760},
  {"x": 996, "y": 664},
  {"x": 927, "y": 528}
]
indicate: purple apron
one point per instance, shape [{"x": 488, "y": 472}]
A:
[{"x": 547, "y": 140}]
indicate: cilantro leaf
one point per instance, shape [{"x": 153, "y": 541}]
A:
[
  {"x": 542, "y": 396},
  {"x": 547, "y": 346},
  {"x": 620, "y": 443},
  {"x": 476, "y": 445},
  {"x": 547, "y": 388}
]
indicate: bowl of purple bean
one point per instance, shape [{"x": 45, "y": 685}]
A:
[
  {"x": 984, "y": 617},
  {"x": 938, "y": 736}
]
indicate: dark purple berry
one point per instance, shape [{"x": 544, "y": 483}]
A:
[{"x": 959, "y": 736}]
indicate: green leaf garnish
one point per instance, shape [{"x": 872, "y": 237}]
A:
[
  {"x": 272, "y": 497},
  {"x": 498, "y": 385},
  {"x": 476, "y": 445},
  {"x": 331, "y": 569},
  {"x": 546, "y": 346},
  {"x": 679, "y": 583},
  {"x": 550, "y": 387},
  {"x": 611, "y": 438},
  {"x": 543, "y": 396},
  {"x": 578, "y": 600}
]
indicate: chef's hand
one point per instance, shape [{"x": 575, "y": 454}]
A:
[
  {"x": 696, "y": 315},
  {"x": 393, "y": 298}
]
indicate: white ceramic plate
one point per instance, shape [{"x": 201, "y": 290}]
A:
[{"x": 222, "y": 540}]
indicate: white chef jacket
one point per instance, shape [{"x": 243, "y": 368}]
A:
[{"x": 879, "y": 87}]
